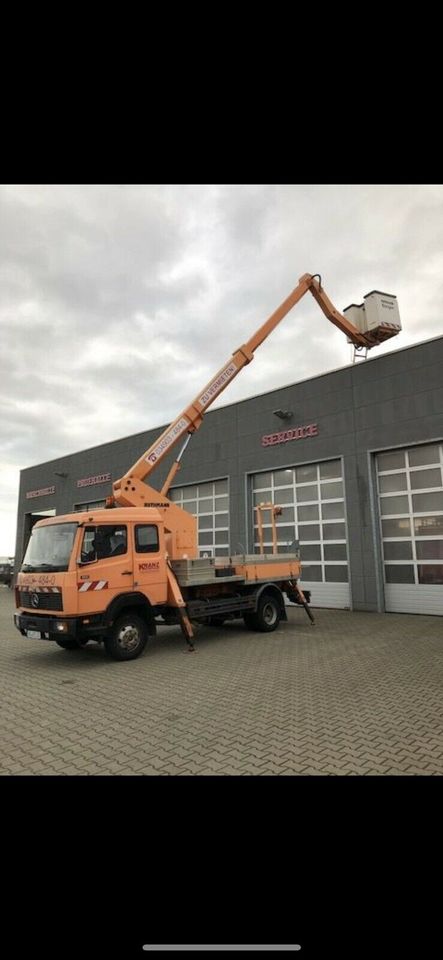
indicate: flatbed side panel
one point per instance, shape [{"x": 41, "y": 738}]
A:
[
  {"x": 216, "y": 583},
  {"x": 259, "y": 559},
  {"x": 246, "y": 567},
  {"x": 249, "y": 573},
  {"x": 272, "y": 572}
]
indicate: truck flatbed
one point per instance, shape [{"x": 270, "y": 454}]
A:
[{"x": 241, "y": 568}]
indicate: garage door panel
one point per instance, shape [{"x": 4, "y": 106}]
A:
[
  {"x": 209, "y": 503},
  {"x": 328, "y": 595},
  {"x": 412, "y": 598},
  {"x": 411, "y": 527},
  {"x": 308, "y": 494}
]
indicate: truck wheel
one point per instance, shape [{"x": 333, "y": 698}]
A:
[
  {"x": 127, "y": 638},
  {"x": 267, "y": 616},
  {"x": 68, "y": 643}
]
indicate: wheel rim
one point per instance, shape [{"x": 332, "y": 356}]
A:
[
  {"x": 269, "y": 614},
  {"x": 128, "y": 638}
]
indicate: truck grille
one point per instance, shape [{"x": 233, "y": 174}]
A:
[{"x": 41, "y": 600}]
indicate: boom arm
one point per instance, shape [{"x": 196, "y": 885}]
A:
[{"x": 129, "y": 490}]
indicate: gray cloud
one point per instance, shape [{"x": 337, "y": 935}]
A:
[{"x": 120, "y": 302}]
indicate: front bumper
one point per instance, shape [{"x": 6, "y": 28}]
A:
[{"x": 50, "y": 628}]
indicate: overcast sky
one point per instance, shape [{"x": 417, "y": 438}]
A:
[{"x": 118, "y": 303}]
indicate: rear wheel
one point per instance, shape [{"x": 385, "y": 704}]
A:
[
  {"x": 127, "y": 638},
  {"x": 267, "y": 616}
]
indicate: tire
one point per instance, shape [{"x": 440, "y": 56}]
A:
[
  {"x": 67, "y": 643},
  {"x": 127, "y": 638},
  {"x": 267, "y": 616}
]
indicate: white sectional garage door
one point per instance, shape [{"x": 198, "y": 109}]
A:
[
  {"x": 313, "y": 512},
  {"x": 209, "y": 503},
  {"x": 410, "y": 491}
]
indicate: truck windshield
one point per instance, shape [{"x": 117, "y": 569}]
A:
[{"x": 49, "y": 548}]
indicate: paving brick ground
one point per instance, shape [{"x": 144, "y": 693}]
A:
[{"x": 359, "y": 693}]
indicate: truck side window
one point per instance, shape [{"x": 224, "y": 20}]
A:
[
  {"x": 118, "y": 540},
  {"x": 102, "y": 542},
  {"x": 88, "y": 551},
  {"x": 146, "y": 538}
]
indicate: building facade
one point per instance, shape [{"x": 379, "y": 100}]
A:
[{"x": 353, "y": 457}]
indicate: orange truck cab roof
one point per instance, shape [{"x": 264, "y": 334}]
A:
[{"x": 100, "y": 515}]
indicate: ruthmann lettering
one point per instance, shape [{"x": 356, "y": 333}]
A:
[
  {"x": 153, "y": 565},
  {"x": 297, "y": 433}
]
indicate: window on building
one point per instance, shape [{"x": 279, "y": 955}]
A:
[{"x": 91, "y": 505}]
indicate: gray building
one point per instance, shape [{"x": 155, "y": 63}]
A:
[{"x": 354, "y": 458}]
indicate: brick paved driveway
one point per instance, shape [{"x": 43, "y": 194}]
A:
[{"x": 359, "y": 693}]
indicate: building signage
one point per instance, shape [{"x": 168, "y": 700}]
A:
[
  {"x": 90, "y": 481},
  {"x": 40, "y": 493},
  {"x": 296, "y": 433}
]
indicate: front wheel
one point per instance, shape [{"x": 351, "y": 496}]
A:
[
  {"x": 127, "y": 638},
  {"x": 68, "y": 643}
]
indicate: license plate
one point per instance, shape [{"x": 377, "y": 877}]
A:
[{"x": 34, "y": 634}]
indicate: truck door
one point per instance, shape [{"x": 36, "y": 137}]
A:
[
  {"x": 149, "y": 562},
  {"x": 106, "y": 569}
]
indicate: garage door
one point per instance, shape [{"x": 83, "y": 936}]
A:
[
  {"x": 410, "y": 491},
  {"x": 313, "y": 512},
  {"x": 209, "y": 503}
]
